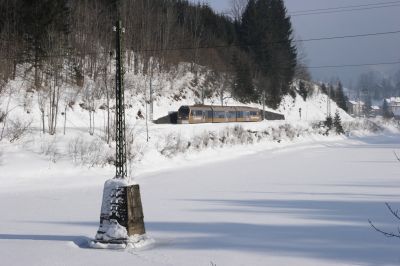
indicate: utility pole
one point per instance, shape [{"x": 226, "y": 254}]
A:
[
  {"x": 263, "y": 114},
  {"x": 121, "y": 214},
  {"x": 120, "y": 162},
  {"x": 147, "y": 114},
  {"x": 151, "y": 93},
  {"x": 328, "y": 102}
]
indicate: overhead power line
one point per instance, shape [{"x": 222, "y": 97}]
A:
[
  {"x": 276, "y": 42},
  {"x": 344, "y": 10},
  {"x": 349, "y": 36},
  {"x": 232, "y": 45},
  {"x": 224, "y": 68},
  {"x": 343, "y": 7},
  {"x": 356, "y": 65},
  {"x": 339, "y": 9}
]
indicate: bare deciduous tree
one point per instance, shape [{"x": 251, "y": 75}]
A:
[
  {"x": 4, "y": 115},
  {"x": 69, "y": 98},
  {"x": 301, "y": 71},
  {"x": 237, "y": 8}
]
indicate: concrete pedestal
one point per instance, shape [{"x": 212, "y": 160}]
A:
[
  {"x": 121, "y": 215},
  {"x": 135, "y": 217}
]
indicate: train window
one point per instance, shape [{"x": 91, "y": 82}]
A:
[
  {"x": 239, "y": 114},
  {"x": 209, "y": 114},
  {"x": 219, "y": 114},
  {"x": 232, "y": 114},
  {"x": 197, "y": 113},
  {"x": 253, "y": 113}
]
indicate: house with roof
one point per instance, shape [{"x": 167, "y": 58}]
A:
[
  {"x": 356, "y": 108},
  {"x": 393, "y": 106},
  {"x": 375, "y": 111}
]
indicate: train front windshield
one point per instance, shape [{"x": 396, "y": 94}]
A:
[{"x": 183, "y": 113}]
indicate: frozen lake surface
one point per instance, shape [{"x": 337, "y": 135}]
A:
[{"x": 300, "y": 205}]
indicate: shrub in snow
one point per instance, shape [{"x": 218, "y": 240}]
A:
[
  {"x": 135, "y": 152},
  {"x": 235, "y": 135},
  {"x": 173, "y": 144},
  {"x": 17, "y": 129},
  {"x": 199, "y": 142},
  {"x": 92, "y": 153},
  {"x": 276, "y": 134},
  {"x": 241, "y": 135},
  {"x": 387, "y": 123},
  {"x": 288, "y": 131},
  {"x": 362, "y": 125},
  {"x": 49, "y": 149}
]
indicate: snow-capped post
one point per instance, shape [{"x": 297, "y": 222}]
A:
[
  {"x": 121, "y": 218},
  {"x": 264, "y": 98}
]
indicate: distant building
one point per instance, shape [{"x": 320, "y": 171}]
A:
[
  {"x": 356, "y": 108},
  {"x": 393, "y": 106},
  {"x": 375, "y": 111}
]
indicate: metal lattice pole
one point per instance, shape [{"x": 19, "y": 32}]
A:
[
  {"x": 122, "y": 204},
  {"x": 120, "y": 163}
]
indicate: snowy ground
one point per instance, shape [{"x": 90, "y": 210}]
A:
[{"x": 303, "y": 204}]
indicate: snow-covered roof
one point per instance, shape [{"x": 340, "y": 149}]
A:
[
  {"x": 356, "y": 102},
  {"x": 393, "y": 100}
]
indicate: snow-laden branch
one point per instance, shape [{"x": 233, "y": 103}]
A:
[
  {"x": 397, "y": 157},
  {"x": 395, "y": 213}
]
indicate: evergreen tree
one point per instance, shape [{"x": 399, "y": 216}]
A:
[
  {"x": 368, "y": 105},
  {"x": 247, "y": 29},
  {"x": 266, "y": 32},
  {"x": 284, "y": 53},
  {"x": 43, "y": 26},
  {"x": 324, "y": 88},
  {"x": 303, "y": 91},
  {"x": 385, "y": 109},
  {"x": 328, "y": 123},
  {"x": 337, "y": 123},
  {"x": 340, "y": 98},
  {"x": 242, "y": 86}
]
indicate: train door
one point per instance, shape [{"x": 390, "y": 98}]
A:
[
  {"x": 197, "y": 116},
  {"x": 247, "y": 116}
]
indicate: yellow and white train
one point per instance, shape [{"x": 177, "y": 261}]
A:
[{"x": 196, "y": 114}]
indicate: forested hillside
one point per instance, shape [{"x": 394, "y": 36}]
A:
[{"x": 63, "y": 41}]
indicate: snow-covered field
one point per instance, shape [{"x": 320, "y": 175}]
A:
[
  {"x": 301, "y": 204},
  {"x": 267, "y": 193}
]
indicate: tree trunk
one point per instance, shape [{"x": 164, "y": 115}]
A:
[
  {"x": 65, "y": 117},
  {"x": 151, "y": 95},
  {"x": 90, "y": 121},
  {"x": 56, "y": 110},
  {"x": 43, "y": 123}
]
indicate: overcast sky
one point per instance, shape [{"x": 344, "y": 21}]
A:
[{"x": 344, "y": 51}]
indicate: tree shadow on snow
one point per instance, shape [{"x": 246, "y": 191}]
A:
[
  {"x": 329, "y": 229},
  {"x": 79, "y": 241},
  {"x": 339, "y": 232}
]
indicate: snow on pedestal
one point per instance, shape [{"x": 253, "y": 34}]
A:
[{"x": 121, "y": 218}]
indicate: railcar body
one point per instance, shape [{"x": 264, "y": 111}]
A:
[{"x": 217, "y": 114}]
